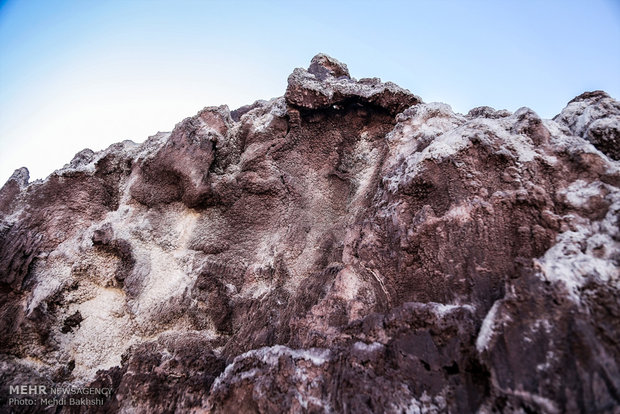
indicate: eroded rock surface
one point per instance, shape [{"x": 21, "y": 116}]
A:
[{"x": 344, "y": 248}]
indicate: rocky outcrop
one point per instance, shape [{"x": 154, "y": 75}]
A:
[
  {"x": 327, "y": 83},
  {"x": 344, "y": 248},
  {"x": 594, "y": 116}
]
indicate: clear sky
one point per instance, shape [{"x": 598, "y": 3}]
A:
[{"x": 78, "y": 74}]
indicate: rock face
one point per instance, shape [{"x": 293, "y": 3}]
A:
[{"x": 345, "y": 248}]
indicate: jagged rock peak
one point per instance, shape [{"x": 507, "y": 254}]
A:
[
  {"x": 13, "y": 186},
  {"x": 327, "y": 83},
  {"x": 21, "y": 176},
  {"x": 589, "y": 96},
  {"x": 594, "y": 116},
  {"x": 323, "y": 66}
]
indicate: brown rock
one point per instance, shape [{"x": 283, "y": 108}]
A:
[{"x": 344, "y": 248}]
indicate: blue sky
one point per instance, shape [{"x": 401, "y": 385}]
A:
[{"x": 77, "y": 74}]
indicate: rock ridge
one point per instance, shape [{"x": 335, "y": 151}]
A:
[{"x": 343, "y": 248}]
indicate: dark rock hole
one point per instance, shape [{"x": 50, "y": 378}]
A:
[
  {"x": 71, "y": 322},
  {"x": 451, "y": 369}
]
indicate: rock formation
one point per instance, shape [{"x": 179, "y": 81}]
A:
[{"x": 344, "y": 248}]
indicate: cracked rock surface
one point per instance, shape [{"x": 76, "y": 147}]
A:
[{"x": 344, "y": 248}]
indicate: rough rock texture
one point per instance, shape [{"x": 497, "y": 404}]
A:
[
  {"x": 594, "y": 116},
  {"x": 345, "y": 248}
]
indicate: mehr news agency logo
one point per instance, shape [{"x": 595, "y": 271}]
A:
[{"x": 42, "y": 395}]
